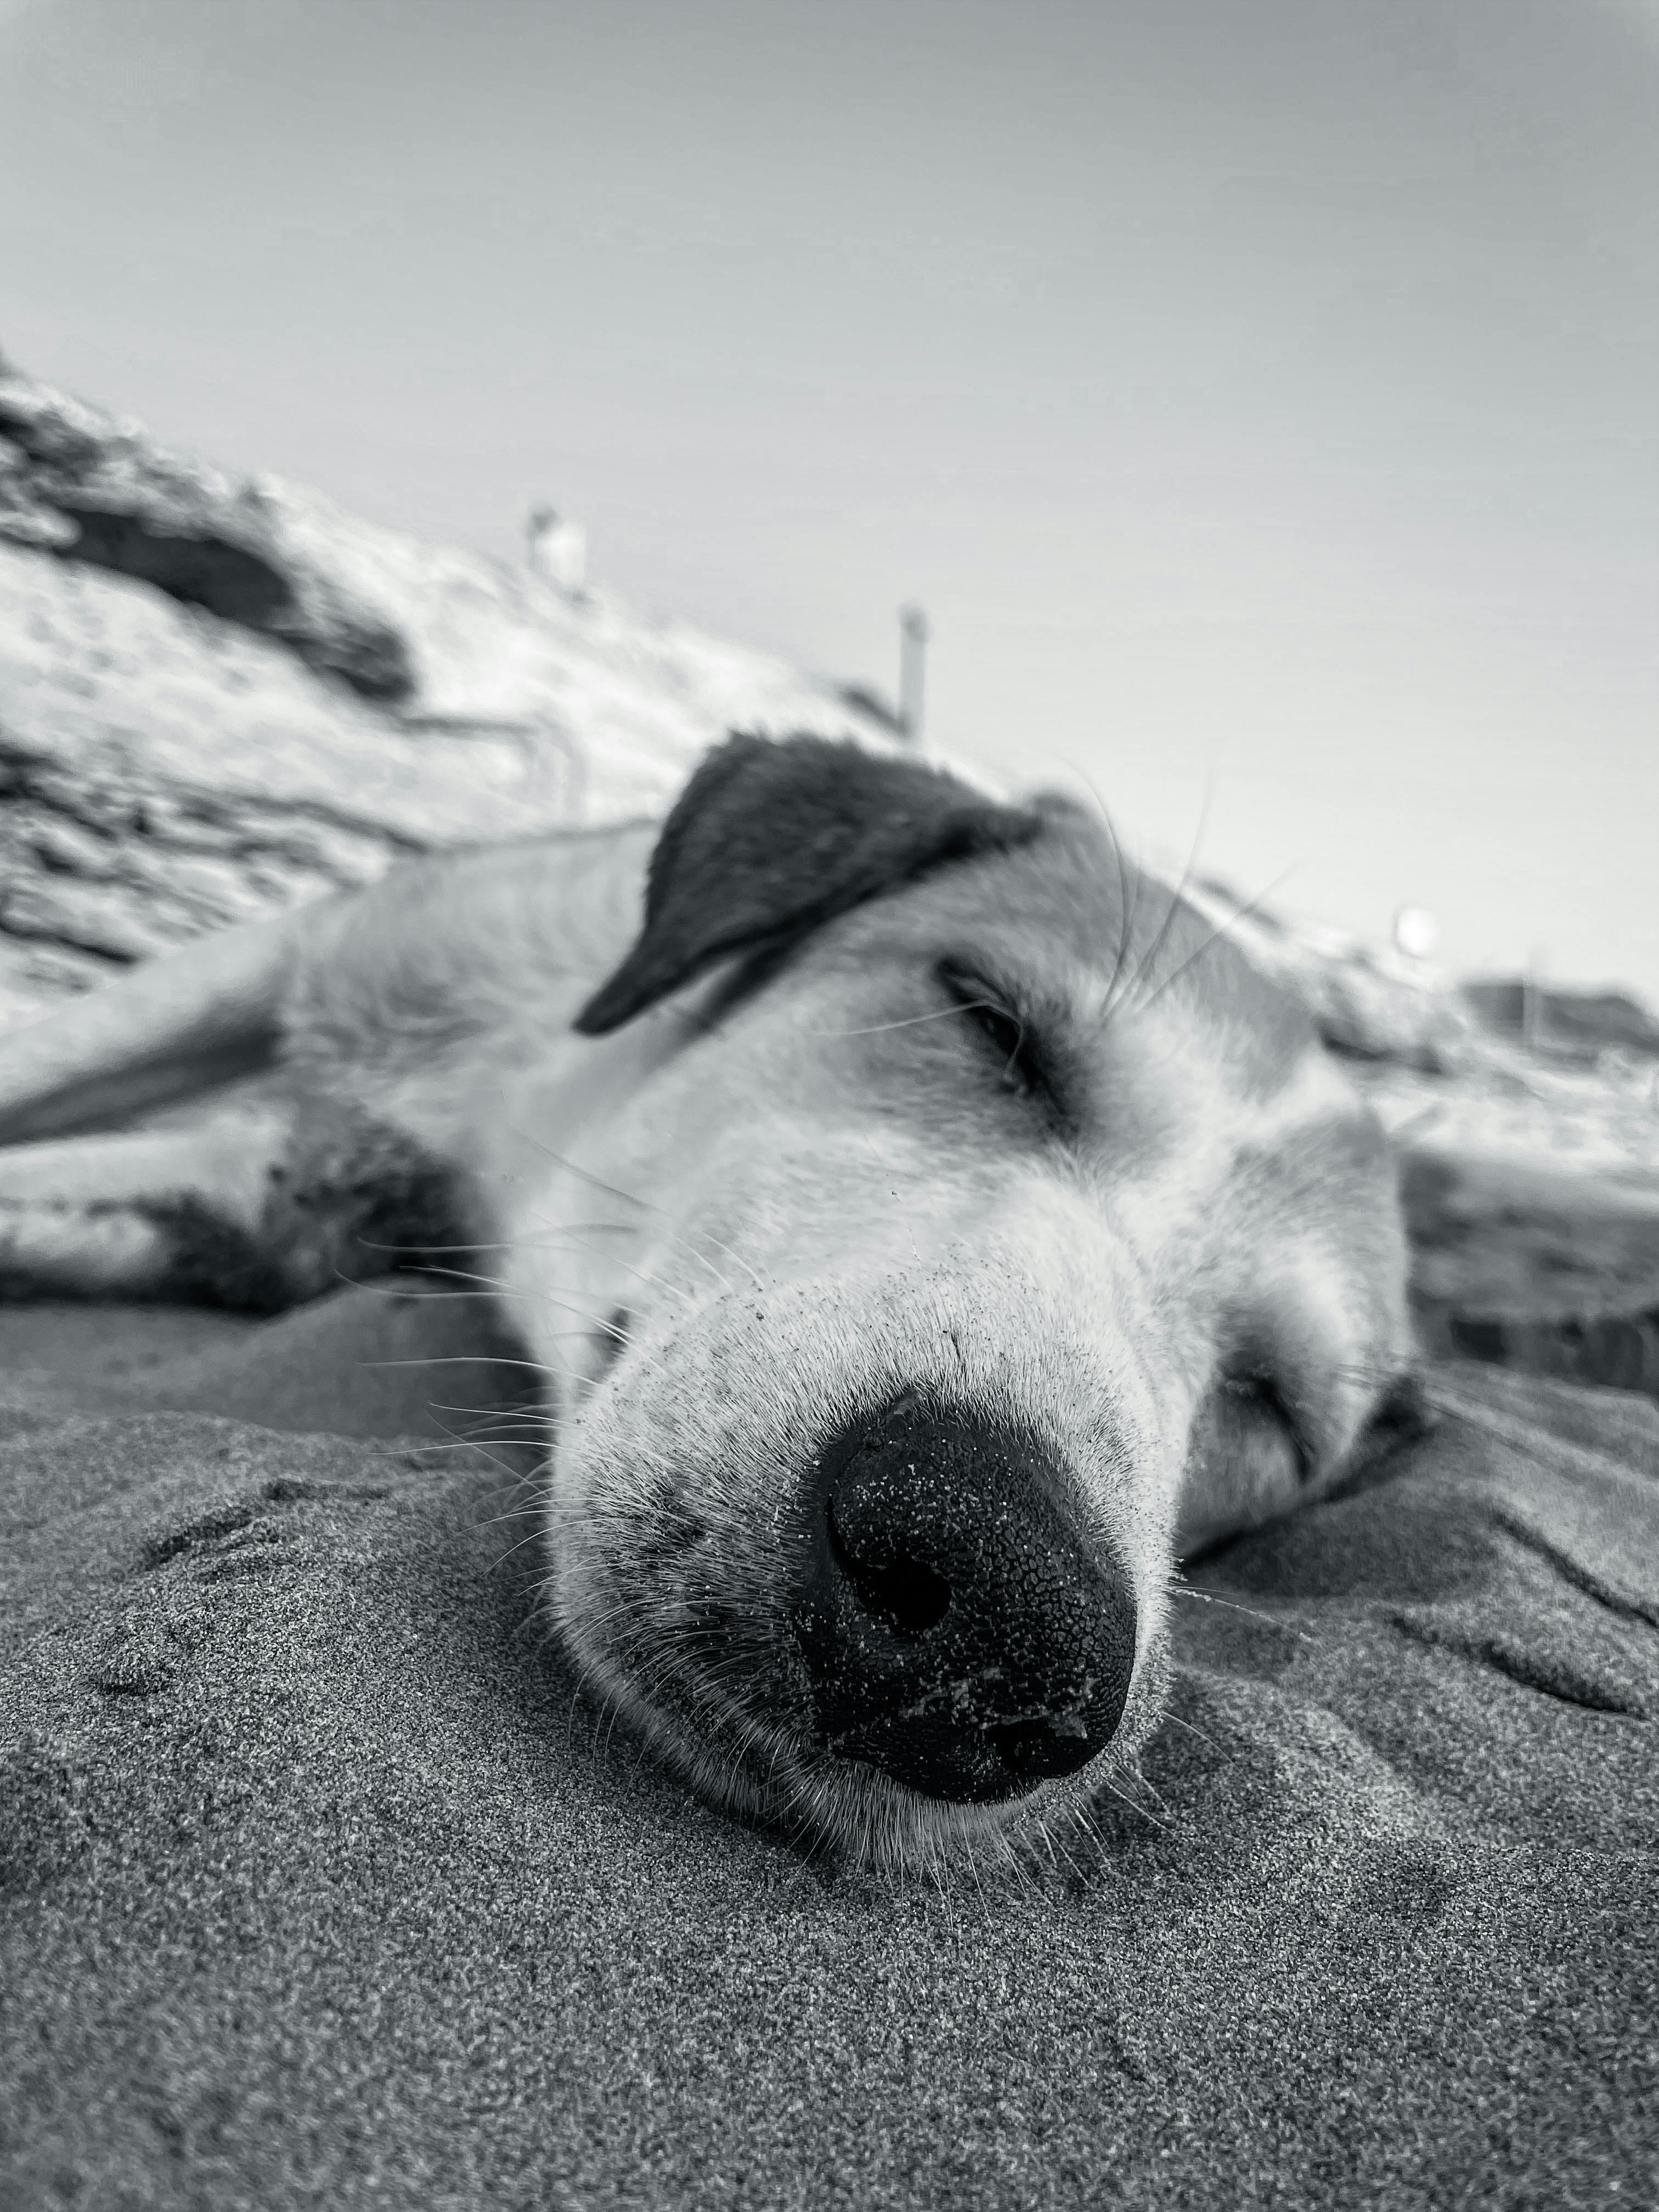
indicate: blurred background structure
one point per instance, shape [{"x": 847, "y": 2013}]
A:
[{"x": 913, "y": 633}]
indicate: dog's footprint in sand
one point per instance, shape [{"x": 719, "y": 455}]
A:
[
  {"x": 233, "y": 1529},
  {"x": 141, "y": 1654},
  {"x": 136, "y": 1657},
  {"x": 243, "y": 1538},
  {"x": 259, "y": 1548}
]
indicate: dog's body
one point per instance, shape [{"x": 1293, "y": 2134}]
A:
[{"x": 928, "y": 1231}]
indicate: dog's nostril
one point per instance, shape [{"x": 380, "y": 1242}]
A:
[
  {"x": 1031, "y": 1749},
  {"x": 907, "y": 1594}
]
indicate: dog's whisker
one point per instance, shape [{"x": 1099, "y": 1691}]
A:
[
  {"x": 957, "y": 1007},
  {"x": 660, "y": 1282},
  {"x": 709, "y": 1238},
  {"x": 1152, "y": 1819},
  {"x": 1128, "y": 903},
  {"x": 584, "y": 1175},
  {"x": 1272, "y": 1620},
  {"x": 602, "y": 1324},
  {"x": 560, "y": 1238},
  {"x": 463, "y": 1359},
  {"x": 467, "y": 1443},
  {"x": 533, "y": 1536},
  {"x": 1222, "y": 929},
  {"x": 1174, "y": 1720},
  {"x": 526, "y": 1509},
  {"x": 703, "y": 1260},
  {"x": 1149, "y": 959}
]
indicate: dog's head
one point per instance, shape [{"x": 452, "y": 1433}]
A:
[{"x": 976, "y": 1231}]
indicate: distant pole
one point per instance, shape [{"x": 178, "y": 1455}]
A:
[
  {"x": 913, "y": 670},
  {"x": 1532, "y": 1007}
]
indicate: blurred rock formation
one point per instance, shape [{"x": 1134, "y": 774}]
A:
[{"x": 219, "y": 694}]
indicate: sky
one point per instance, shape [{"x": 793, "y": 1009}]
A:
[{"x": 1262, "y": 400}]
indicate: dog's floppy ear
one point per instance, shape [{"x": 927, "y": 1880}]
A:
[{"x": 773, "y": 837}]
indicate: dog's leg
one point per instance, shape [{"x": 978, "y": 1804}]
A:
[
  {"x": 369, "y": 1011},
  {"x": 169, "y": 1030},
  {"x": 444, "y": 947},
  {"x": 135, "y": 1215},
  {"x": 259, "y": 1206}
]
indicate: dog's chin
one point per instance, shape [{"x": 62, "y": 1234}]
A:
[{"x": 717, "y": 1729}]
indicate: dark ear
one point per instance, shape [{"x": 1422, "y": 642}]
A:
[{"x": 772, "y": 837}]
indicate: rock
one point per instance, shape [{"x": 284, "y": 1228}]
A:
[
  {"x": 1553, "y": 1270},
  {"x": 1531, "y": 1188},
  {"x": 220, "y": 695},
  {"x": 1565, "y": 1022},
  {"x": 98, "y": 491}
]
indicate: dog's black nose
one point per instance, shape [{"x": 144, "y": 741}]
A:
[{"x": 956, "y": 1633}]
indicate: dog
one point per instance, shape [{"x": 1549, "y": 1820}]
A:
[{"x": 926, "y": 1227}]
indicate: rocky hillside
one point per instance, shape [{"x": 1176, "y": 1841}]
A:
[
  {"x": 218, "y": 693},
  {"x": 222, "y": 694}
]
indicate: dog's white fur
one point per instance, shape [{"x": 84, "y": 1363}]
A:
[{"x": 722, "y": 1236}]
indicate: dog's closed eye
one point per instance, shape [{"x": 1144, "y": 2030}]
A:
[
  {"x": 1258, "y": 1400},
  {"x": 1018, "y": 1050}
]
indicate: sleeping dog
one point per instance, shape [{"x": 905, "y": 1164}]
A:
[{"x": 926, "y": 1228}]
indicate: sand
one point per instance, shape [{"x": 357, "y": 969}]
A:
[{"x": 317, "y": 1888}]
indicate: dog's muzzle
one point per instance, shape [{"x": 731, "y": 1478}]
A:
[{"x": 956, "y": 1633}]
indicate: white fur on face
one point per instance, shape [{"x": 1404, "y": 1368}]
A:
[{"x": 750, "y": 1238}]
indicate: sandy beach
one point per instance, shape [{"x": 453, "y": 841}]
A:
[{"x": 320, "y": 1886}]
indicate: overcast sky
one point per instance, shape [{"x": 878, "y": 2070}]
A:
[{"x": 1261, "y": 398}]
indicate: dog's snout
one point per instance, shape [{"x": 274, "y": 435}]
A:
[{"x": 956, "y": 1632}]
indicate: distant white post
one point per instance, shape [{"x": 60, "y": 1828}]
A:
[
  {"x": 913, "y": 670},
  {"x": 555, "y": 552}
]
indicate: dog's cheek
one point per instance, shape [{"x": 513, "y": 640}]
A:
[
  {"x": 1239, "y": 1473},
  {"x": 671, "y": 1478}
]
